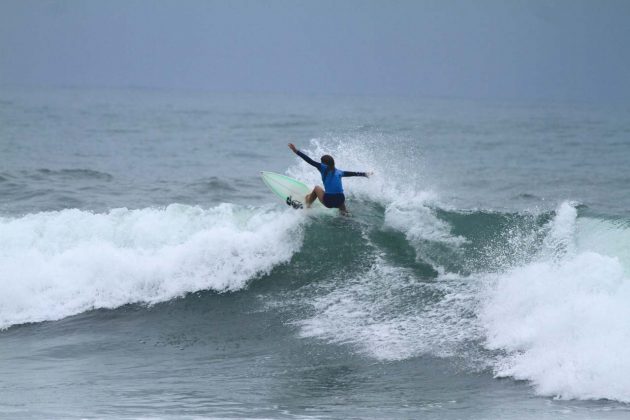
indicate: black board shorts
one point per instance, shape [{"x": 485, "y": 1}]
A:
[{"x": 334, "y": 200}]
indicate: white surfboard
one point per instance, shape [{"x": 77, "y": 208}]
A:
[{"x": 291, "y": 191}]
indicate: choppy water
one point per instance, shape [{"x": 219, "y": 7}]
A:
[{"x": 145, "y": 270}]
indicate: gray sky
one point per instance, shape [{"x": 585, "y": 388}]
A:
[{"x": 562, "y": 49}]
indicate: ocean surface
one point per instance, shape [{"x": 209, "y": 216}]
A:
[{"x": 147, "y": 272}]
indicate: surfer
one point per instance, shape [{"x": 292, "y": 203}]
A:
[{"x": 331, "y": 195}]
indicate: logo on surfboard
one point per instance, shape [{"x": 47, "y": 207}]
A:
[{"x": 294, "y": 203}]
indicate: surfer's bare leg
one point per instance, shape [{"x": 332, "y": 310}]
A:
[
  {"x": 318, "y": 192},
  {"x": 343, "y": 210}
]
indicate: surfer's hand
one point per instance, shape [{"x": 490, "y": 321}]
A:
[
  {"x": 369, "y": 174},
  {"x": 292, "y": 147}
]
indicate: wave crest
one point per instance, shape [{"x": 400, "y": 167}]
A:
[{"x": 57, "y": 264}]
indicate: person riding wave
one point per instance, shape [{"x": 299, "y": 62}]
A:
[{"x": 331, "y": 195}]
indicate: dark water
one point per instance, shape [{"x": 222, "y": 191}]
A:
[{"x": 145, "y": 270}]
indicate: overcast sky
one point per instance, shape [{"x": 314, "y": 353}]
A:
[{"x": 557, "y": 49}]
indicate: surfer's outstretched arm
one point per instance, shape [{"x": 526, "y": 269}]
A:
[
  {"x": 350, "y": 173},
  {"x": 306, "y": 158}
]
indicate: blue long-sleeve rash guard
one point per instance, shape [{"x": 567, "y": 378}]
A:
[{"x": 332, "y": 180}]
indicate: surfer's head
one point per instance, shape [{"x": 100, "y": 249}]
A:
[
  {"x": 330, "y": 164},
  {"x": 328, "y": 161}
]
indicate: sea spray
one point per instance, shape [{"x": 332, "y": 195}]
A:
[{"x": 397, "y": 183}]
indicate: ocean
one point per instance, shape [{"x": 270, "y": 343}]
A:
[{"x": 147, "y": 272}]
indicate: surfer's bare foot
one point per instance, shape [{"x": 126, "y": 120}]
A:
[
  {"x": 343, "y": 210},
  {"x": 307, "y": 202}
]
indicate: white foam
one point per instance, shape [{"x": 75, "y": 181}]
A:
[
  {"x": 564, "y": 318},
  {"x": 387, "y": 314},
  {"x": 56, "y": 264}
]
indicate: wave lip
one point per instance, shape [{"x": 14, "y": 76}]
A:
[
  {"x": 562, "y": 320},
  {"x": 57, "y": 264}
]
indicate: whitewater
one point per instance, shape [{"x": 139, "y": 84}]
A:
[
  {"x": 129, "y": 254},
  {"x": 66, "y": 262}
]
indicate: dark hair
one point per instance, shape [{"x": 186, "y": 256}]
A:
[{"x": 329, "y": 162}]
